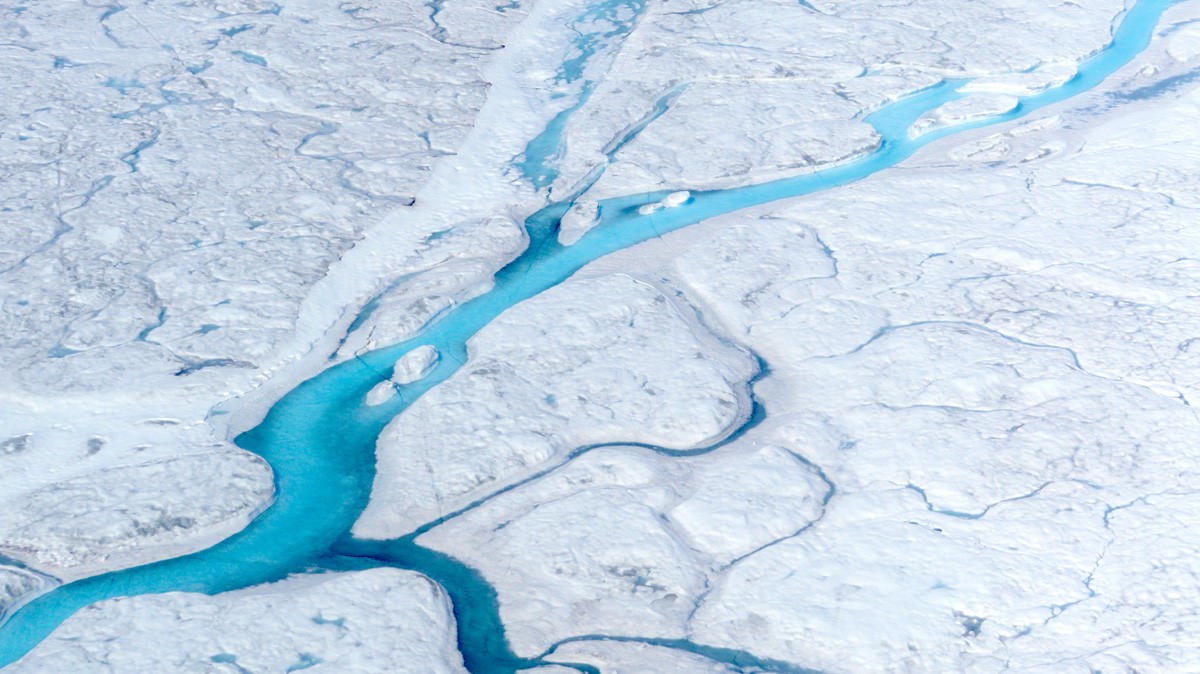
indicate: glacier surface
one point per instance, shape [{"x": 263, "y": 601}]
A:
[
  {"x": 936, "y": 419},
  {"x": 376, "y": 621}
]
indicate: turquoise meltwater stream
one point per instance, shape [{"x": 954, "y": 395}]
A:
[{"x": 320, "y": 438}]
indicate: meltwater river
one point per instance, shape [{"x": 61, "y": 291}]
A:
[{"x": 320, "y": 438}]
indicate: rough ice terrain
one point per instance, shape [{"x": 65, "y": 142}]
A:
[
  {"x": 969, "y": 109},
  {"x": 636, "y": 369},
  {"x": 614, "y": 657},
  {"x": 381, "y": 621},
  {"x": 626, "y": 535},
  {"x": 178, "y": 180},
  {"x": 17, "y": 583},
  {"x": 987, "y": 353},
  {"x": 116, "y": 517},
  {"x": 999, "y": 382},
  {"x": 937, "y": 420},
  {"x": 795, "y": 86},
  {"x": 412, "y": 366}
]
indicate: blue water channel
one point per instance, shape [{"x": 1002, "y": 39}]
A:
[
  {"x": 601, "y": 27},
  {"x": 320, "y": 438}
]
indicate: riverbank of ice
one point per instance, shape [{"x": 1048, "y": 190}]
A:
[
  {"x": 634, "y": 368},
  {"x": 180, "y": 181},
  {"x": 798, "y": 79},
  {"x": 369, "y": 622},
  {"x": 989, "y": 353}
]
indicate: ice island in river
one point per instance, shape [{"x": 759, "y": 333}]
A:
[{"x": 600, "y": 336}]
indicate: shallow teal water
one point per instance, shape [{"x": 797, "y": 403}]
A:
[
  {"x": 602, "y": 25},
  {"x": 320, "y": 437}
]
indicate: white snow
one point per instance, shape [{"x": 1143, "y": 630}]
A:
[
  {"x": 676, "y": 199},
  {"x": 987, "y": 353},
  {"x": 1184, "y": 44},
  {"x": 773, "y": 494},
  {"x": 614, "y": 657},
  {"x": 672, "y": 200},
  {"x": 881, "y": 584},
  {"x": 969, "y": 109},
  {"x": 626, "y": 537},
  {"x": 991, "y": 351},
  {"x": 185, "y": 187},
  {"x": 634, "y": 368},
  {"x": 412, "y": 366},
  {"x": 415, "y": 364},
  {"x": 1025, "y": 83},
  {"x": 124, "y": 516},
  {"x": 177, "y": 179},
  {"x": 380, "y": 393},
  {"x": 444, "y": 269},
  {"x": 991, "y": 362},
  {"x": 369, "y": 622},
  {"x": 756, "y": 90},
  {"x": 18, "y": 585},
  {"x": 578, "y": 220}
]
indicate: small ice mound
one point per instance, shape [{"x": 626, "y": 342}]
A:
[
  {"x": 1185, "y": 42},
  {"x": 412, "y": 366},
  {"x": 415, "y": 364},
  {"x": 675, "y": 199},
  {"x": 583, "y": 216},
  {"x": 1027, "y": 83},
  {"x": 672, "y": 200},
  {"x": 962, "y": 111},
  {"x": 382, "y": 393}
]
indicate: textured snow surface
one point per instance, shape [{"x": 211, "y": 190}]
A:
[
  {"x": 412, "y": 366},
  {"x": 627, "y": 536},
  {"x": 180, "y": 183},
  {"x": 983, "y": 360},
  {"x": 1024, "y": 83},
  {"x": 581, "y": 217},
  {"x": 969, "y": 109},
  {"x": 112, "y": 518},
  {"x": 636, "y": 368},
  {"x": 151, "y": 252},
  {"x": 989, "y": 354},
  {"x": 446, "y": 268},
  {"x": 976, "y": 371},
  {"x": 635, "y": 658},
  {"x": 747, "y": 90},
  {"x": 381, "y": 621},
  {"x": 16, "y": 583}
]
